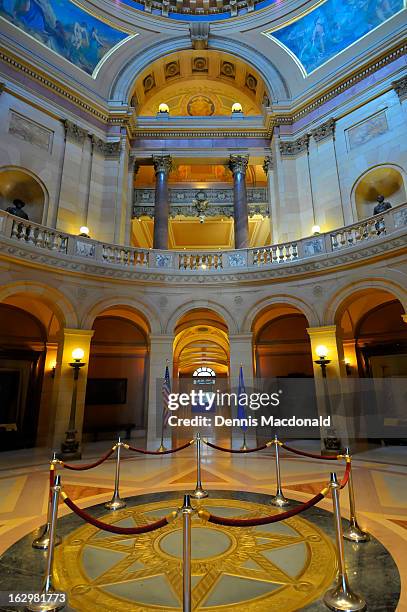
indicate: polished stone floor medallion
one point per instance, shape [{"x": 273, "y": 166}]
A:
[{"x": 283, "y": 566}]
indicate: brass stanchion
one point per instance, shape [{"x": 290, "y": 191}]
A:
[
  {"x": 199, "y": 492},
  {"x": 278, "y": 499},
  {"x": 42, "y": 542},
  {"x": 341, "y": 598},
  {"x": 187, "y": 512},
  {"x": 244, "y": 445},
  {"x": 353, "y": 533},
  {"x": 116, "y": 502},
  {"x": 50, "y": 603}
]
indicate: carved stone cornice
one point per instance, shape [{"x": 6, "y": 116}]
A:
[
  {"x": 162, "y": 163},
  {"x": 74, "y": 132},
  {"x": 268, "y": 164},
  {"x": 238, "y": 163},
  {"x": 323, "y": 131},
  {"x": 400, "y": 87},
  {"x": 295, "y": 147}
]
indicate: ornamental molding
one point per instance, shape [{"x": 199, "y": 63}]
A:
[
  {"x": 400, "y": 87},
  {"x": 2, "y": 87},
  {"x": 295, "y": 147},
  {"x": 112, "y": 149},
  {"x": 162, "y": 163},
  {"x": 268, "y": 164},
  {"x": 238, "y": 163},
  {"x": 354, "y": 257},
  {"x": 74, "y": 132},
  {"x": 199, "y": 33},
  {"x": 323, "y": 131}
]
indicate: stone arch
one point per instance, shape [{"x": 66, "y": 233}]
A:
[
  {"x": 53, "y": 298},
  {"x": 281, "y": 299},
  {"x": 220, "y": 310},
  {"x": 343, "y": 296},
  {"x": 148, "y": 313},
  {"x": 386, "y": 179},
  {"x": 26, "y": 185},
  {"x": 123, "y": 85}
]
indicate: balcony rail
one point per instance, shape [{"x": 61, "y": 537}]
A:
[{"x": 79, "y": 248}]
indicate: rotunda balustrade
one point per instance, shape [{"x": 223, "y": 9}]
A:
[{"x": 26, "y": 240}]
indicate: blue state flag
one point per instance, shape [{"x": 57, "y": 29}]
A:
[{"x": 241, "y": 402}]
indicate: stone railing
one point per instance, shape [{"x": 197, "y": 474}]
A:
[{"x": 40, "y": 239}]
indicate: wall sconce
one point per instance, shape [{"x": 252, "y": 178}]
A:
[
  {"x": 70, "y": 446},
  {"x": 316, "y": 230},
  {"x": 322, "y": 352},
  {"x": 84, "y": 231}
]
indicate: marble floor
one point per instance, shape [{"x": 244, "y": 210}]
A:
[{"x": 380, "y": 482}]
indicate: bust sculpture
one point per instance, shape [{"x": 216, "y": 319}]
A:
[
  {"x": 381, "y": 205},
  {"x": 17, "y": 209}
]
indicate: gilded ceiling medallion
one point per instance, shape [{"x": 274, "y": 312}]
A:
[{"x": 283, "y": 566}]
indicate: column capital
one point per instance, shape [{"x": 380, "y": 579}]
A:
[
  {"x": 162, "y": 163},
  {"x": 74, "y": 132},
  {"x": 268, "y": 164},
  {"x": 323, "y": 330},
  {"x": 68, "y": 331},
  {"x": 400, "y": 87},
  {"x": 323, "y": 131},
  {"x": 238, "y": 163}
]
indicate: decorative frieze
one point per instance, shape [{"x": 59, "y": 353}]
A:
[
  {"x": 400, "y": 87},
  {"x": 238, "y": 163},
  {"x": 295, "y": 147},
  {"x": 162, "y": 163},
  {"x": 268, "y": 164},
  {"x": 74, "y": 132},
  {"x": 25, "y": 129},
  {"x": 323, "y": 131}
]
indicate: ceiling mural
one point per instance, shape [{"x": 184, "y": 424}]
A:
[
  {"x": 65, "y": 28},
  {"x": 332, "y": 27}
]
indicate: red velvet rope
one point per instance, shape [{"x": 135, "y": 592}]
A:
[
  {"x": 231, "y": 450},
  {"x": 346, "y": 475},
  {"x": 166, "y": 452},
  {"x": 51, "y": 480},
  {"x": 305, "y": 454},
  {"x": 88, "y": 466},
  {"x": 114, "y": 528},
  {"x": 266, "y": 520}
]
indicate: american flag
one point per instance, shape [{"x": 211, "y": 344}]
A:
[
  {"x": 166, "y": 393},
  {"x": 241, "y": 411}
]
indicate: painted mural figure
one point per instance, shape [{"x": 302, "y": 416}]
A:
[{"x": 65, "y": 28}]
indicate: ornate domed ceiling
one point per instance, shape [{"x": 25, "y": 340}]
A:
[{"x": 197, "y": 8}]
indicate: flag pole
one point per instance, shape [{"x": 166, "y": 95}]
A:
[
  {"x": 241, "y": 410},
  {"x": 162, "y": 448}
]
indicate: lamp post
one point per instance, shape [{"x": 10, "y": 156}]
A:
[
  {"x": 70, "y": 446},
  {"x": 332, "y": 444}
]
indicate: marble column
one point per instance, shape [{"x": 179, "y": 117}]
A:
[
  {"x": 162, "y": 167},
  {"x": 238, "y": 166},
  {"x": 64, "y": 383},
  {"x": 160, "y": 353}
]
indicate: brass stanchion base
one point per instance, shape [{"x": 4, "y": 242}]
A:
[
  {"x": 243, "y": 447},
  {"x": 161, "y": 448},
  {"x": 199, "y": 493},
  {"x": 339, "y": 600},
  {"x": 355, "y": 534},
  {"x": 42, "y": 542},
  {"x": 45, "y": 607},
  {"x": 279, "y": 500},
  {"x": 116, "y": 503}
]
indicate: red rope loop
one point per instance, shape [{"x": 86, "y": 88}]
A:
[
  {"x": 88, "y": 466},
  {"x": 346, "y": 475},
  {"x": 265, "y": 520},
  {"x": 231, "y": 450},
  {"x": 114, "y": 528},
  {"x": 305, "y": 454},
  {"x": 166, "y": 452}
]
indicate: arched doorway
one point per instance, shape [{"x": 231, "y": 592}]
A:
[{"x": 116, "y": 387}]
